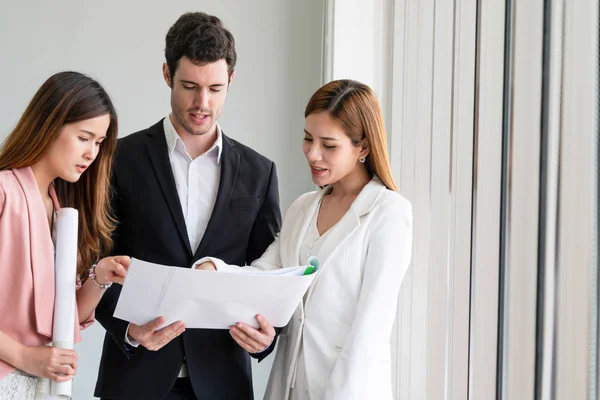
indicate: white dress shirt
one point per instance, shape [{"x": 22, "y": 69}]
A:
[{"x": 197, "y": 182}]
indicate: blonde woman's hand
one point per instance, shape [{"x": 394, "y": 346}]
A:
[
  {"x": 112, "y": 269},
  {"x": 58, "y": 365}
]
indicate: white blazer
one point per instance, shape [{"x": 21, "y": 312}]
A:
[{"x": 346, "y": 323}]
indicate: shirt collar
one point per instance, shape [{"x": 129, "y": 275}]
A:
[{"x": 173, "y": 139}]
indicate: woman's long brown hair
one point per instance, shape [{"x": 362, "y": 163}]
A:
[
  {"x": 355, "y": 108},
  {"x": 64, "y": 98}
]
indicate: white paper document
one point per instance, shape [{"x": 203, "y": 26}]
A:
[{"x": 209, "y": 299}]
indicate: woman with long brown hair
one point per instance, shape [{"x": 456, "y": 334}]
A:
[
  {"x": 59, "y": 154},
  {"x": 337, "y": 344}
]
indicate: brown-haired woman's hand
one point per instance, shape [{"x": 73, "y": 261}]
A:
[
  {"x": 112, "y": 269},
  {"x": 206, "y": 266},
  {"x": 48, "y": 362}
]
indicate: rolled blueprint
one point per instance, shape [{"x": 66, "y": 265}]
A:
[{"x": 65, "y": 272}]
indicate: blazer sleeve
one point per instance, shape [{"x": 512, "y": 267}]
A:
[
  {"x": 355, "y": 374},
  {"x": 271, "y": 259},
  {"x": 268, "y": 222}
]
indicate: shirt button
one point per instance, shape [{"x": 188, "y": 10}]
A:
[
  {"x": 300, "y": 318},
  {"x": 310, "y": 246}
]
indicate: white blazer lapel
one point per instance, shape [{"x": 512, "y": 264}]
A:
[
  {"x": 334, "y": 240},
  {"x": 346, "y": 226},
  {"x": 338, "y": 234},
  {"x": 349, "y": 223}
]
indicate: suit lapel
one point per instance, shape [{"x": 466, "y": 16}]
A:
[
  {"x": 230, "y": 163},
  {"x": 159, "y": 157}
]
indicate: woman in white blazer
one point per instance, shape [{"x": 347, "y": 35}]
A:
[{"x": 337, "y": 344}]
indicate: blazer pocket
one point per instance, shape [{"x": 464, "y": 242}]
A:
[{"x": 245, "y": 202}]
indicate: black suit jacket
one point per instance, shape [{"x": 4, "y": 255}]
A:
[{"x": 151, "y": 227}]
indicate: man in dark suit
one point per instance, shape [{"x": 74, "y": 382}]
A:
[{"x": 184, "y": 190}]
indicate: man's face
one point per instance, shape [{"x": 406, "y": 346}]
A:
[{"x": 197, "y": 95}]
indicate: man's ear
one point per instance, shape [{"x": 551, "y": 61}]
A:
[
  {"x": 167, "y": 75},
  {"x": 231, "y": 79}
]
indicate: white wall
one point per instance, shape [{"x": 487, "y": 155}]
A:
[{"x": 121, "y": 43}]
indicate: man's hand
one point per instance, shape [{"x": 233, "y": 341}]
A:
[
  {"x": 253, "y": 340},
  {"x": 153, "y": 338}
]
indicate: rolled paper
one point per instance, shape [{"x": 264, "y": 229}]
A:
[{"x": 65, "y": 271}]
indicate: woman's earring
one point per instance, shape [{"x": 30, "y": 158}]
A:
[{"x": 362, "y": 159}]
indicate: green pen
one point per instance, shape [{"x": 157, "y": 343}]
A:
[{"x": 313, "y": 266}]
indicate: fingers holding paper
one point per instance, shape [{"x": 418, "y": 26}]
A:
[
  {"x": 253, "y": 340},
  {"x": 153, "y": 338}
]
